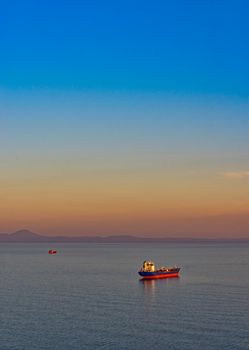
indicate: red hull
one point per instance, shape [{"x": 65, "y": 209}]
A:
[{"x": 161, "y": 276}]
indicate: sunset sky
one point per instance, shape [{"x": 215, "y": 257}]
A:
[{"x": 125, "y": 117}]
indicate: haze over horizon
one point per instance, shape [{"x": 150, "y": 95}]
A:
[{"x": 127, "y": 118}]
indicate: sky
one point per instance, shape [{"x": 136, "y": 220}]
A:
[{"x": 125, "y": 117}]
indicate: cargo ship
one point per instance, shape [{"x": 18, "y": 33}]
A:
[{"x": 148, "y": 271}]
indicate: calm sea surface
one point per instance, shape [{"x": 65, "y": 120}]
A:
[{"x": 89, "y": 296}]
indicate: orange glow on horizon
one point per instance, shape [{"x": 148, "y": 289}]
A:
[{"x": 157, "y": 204}]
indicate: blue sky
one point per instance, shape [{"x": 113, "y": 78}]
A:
[
  {"x": 124, "y": 117},
  {"x": 183, "y": 47}
]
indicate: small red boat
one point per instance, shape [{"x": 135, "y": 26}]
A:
[{"x": 52, "y": 251}]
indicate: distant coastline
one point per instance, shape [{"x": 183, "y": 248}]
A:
[{"x": 26, "y": 236}]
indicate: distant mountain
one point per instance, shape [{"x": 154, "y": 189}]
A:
[
  {"x": 22, "y": 236},
  {"x": 26, "y": 236}
]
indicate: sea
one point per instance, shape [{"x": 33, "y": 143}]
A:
[{"x": 89, "y": 296}]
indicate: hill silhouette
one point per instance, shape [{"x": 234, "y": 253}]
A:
[{"x": 27, "y": 236}]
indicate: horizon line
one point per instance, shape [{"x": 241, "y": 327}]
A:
[{"x": 30, "y": 234}]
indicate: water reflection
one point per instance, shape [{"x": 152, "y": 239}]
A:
[
  {"x": 149, "y": 286},
  {"x": 148, "y": 290},
  {"x": 152, "y": 286}
]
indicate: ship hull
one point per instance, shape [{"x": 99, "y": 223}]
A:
[{"x": 160, "y": 274}]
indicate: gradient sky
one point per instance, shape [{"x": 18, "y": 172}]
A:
[{"x": 125, "y": 117}]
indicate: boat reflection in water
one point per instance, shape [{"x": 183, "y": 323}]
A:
[
  {"x": 153, "y": 288},
  {"x": 149, "y": 286},
  {"x": 148, "y": 289}
]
